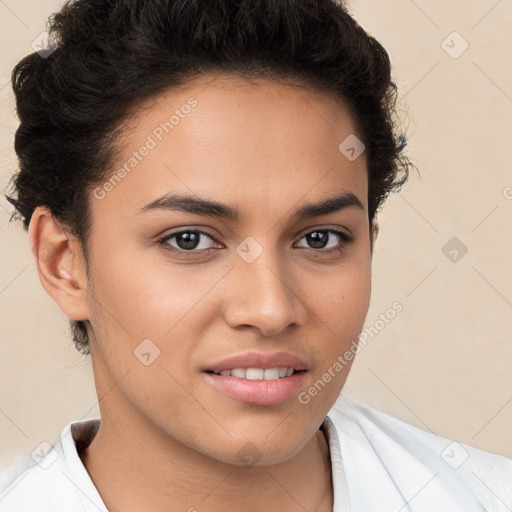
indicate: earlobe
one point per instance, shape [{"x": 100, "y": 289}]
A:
[{"x": 59, "y": 264}]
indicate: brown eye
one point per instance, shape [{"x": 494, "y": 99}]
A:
[
  {"x": 324, "y": 239},
  {"x": 187, "y": 241}
]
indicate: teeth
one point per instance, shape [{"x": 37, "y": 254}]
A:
[
  {"x": 258, "y": 373},
  {"x": 271, "y": 374},
  {"x": 254, "y": 373}
]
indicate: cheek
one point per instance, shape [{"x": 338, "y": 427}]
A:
[
  {"x": 170, "y": 305},
  {"x": 341, "y": 296},
  {"x": 340, "y": 311},
  {"x": 149, "y": 297}
]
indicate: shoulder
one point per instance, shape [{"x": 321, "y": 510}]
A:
[
  {"x": 37, "y": 482},
  {"x": 410, "y": 454},
  {"x": 47, "y": 480}
]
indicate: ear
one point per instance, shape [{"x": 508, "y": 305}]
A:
[
  {"x": 60, "y": 264},
  {"x": 373, "y": 235}
]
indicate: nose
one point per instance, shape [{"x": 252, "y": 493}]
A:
[{"x": 264, "y": 296}]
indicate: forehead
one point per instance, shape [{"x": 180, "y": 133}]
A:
[{"x": 257, "y": 143}]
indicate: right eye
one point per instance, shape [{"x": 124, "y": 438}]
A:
[{"x": 187, "y": 241}]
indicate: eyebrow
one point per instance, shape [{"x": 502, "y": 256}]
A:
[{"x": 198, "y": 206}]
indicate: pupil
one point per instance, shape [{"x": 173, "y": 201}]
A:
[
  {"x": 317, "y": 239},
  {"x": 190, "y": 240}
]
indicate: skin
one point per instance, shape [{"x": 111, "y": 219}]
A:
[{"x": 168, "y": 440}]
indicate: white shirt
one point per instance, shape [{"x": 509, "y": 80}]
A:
[{"x": 379, "y": 464}]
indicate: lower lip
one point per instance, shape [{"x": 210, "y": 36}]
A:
[{"x": 259, "y": 392}]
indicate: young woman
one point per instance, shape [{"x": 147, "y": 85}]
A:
[{"x": 200, "y": 183}]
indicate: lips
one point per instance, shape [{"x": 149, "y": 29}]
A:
[
  {"x": 259, "y": 360},
  {"x": 257, "y": 392},
  {"x": 251, "y": 377}
]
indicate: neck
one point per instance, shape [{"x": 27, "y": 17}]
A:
[{"x": 135, "y": 466}]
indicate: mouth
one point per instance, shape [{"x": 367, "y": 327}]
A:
[
  {"x": 261, "y": 378},
  {"x": 266, "y": 374}
]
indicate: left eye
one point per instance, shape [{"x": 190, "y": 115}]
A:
[{"x": 319, "y": 238}]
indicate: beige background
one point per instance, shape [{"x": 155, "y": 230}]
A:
[{"x": 443, "y": 363}]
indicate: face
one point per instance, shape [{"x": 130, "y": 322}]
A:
[{"x": 178, "y": 287}]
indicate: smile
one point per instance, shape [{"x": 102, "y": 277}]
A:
[{"x": 258, "y": 373}]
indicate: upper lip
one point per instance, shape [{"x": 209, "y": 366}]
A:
[{"x": 259, "y": 360}]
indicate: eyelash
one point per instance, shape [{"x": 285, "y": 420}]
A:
[{"x": 346, "y": 239}]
